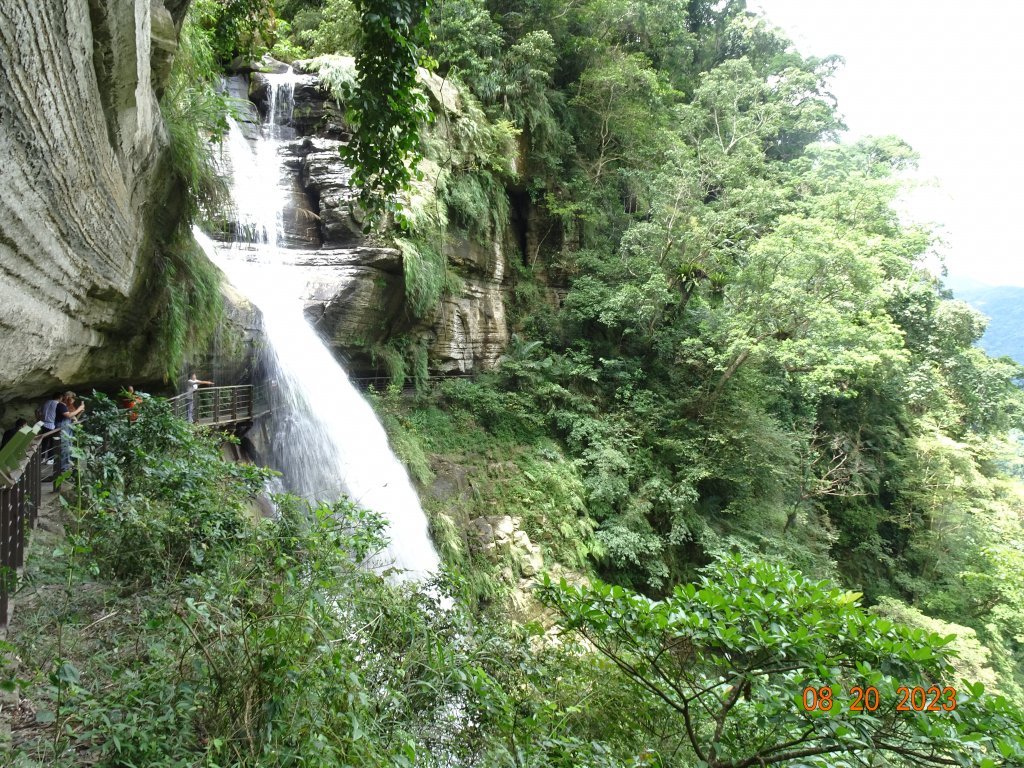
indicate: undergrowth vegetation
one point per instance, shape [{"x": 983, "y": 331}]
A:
[
  {"x": 158, "y": 497},
  {"x": 233, "y": 640},
  {"x": 172, "y": 627}
]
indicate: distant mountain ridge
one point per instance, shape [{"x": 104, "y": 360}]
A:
[{"x": 1004, "y": 305}]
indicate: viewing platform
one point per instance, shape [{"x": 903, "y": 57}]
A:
[
  {"x": 33, "y": 454},
  {"x": 235, "y": 404}
]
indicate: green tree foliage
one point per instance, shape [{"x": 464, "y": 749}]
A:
[
  {"x": 226, "y": 638},
  {"x": 387, "y": 106},
  {"x": 330, "y": 29},
  {"x": 747, "y": 351},
  {"x": 734, "y": 655},
  {"x": 236, "y": 28}
]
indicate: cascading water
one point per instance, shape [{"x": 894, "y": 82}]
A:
[{"x": 327, "y": 440}]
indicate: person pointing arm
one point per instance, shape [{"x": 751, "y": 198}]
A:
[{"x": 193, "y": 386}]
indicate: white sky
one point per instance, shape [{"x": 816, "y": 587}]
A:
[{"x": 946, "y": 77}]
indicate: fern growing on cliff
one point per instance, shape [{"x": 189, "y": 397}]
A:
[
  {"x": 426, "y": 275},
  {"x": 337, "y": 74},
  {"x": 194, "y": 113},
  {"x": 186, "y": 288}
]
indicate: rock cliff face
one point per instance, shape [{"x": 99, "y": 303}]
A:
[
  {"x": 81, "y": 144},
  {"x": 86, "y": 195},
  {"x": 355, "y": 290}
]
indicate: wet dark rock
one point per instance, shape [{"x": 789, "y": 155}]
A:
[
  {"x": 259, "y": 92},
  {"x": 328, "y": 179},
  {"x": 246, "y": 114},
  {"x": 269, "y": 64},
  {"x": 317, "y": 113}
]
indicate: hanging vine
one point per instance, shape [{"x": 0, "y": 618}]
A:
[{"x": 387, "y": 106}]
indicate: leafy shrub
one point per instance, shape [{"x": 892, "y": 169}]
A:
[
  {"x": 236, "y": 28},
  {"x": 332, "y": 29},
  {"x": 284, "y": 650},
  {"x": 736, "y": 653},
  {"x": 158, "y": 497}
]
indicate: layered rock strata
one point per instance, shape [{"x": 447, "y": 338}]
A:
[
  {"x": 354, "y": 290},
  {"x": 81, "y": 142}
]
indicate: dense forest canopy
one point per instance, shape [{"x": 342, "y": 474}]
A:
[
  {"x": 733, "y": 386},
  {"x": 719, "y": 314}
]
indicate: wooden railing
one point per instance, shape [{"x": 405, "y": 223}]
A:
[
  {"x": 220, "y": 405},
  {"x": 21, "y": 492},
  {"x": 21, "y": 481}
]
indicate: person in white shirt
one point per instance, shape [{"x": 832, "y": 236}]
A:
[{"x": 193, "y": 387}]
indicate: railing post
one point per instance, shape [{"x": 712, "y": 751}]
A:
[
  {"x": 5, "y": 554},
  {"x": 234, "y": 403},
  {"x": 33, "y": 494},
  {"x": 57, "y": 453},
  {"x": 19, "y": 523},
  {"x": 36, "y": 483},
  {"x": 216, "y": 405}
]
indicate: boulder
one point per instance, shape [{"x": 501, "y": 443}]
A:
[
  {"x": 501, "y": 539},
  {"x": 269, "y": 64}
]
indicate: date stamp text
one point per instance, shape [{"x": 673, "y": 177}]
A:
[{"x": 867, "y": 699}]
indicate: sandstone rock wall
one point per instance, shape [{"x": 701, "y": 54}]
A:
[
  {"x": 469, "y": 332},
  {"x": 81, "y": 141}
]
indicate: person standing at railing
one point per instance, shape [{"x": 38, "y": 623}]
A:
[
  {"x": 48, "y": 415},
  {"x": 193, "y": 389},
  {"x": 67, "y": 412}
]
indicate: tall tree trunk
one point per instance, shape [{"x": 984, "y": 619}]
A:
[{"x": 728, "y": 373}]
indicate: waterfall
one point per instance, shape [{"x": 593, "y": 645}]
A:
[{"x": 327, "y": 440}]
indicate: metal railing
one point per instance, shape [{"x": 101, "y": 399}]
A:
[
  {"x": 21, "y": 492},
  {"x": 21, "y": 486},
  {"x": 220, "y": 405}
]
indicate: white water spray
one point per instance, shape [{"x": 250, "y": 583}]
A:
[{"x": 327, "y": 439}]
